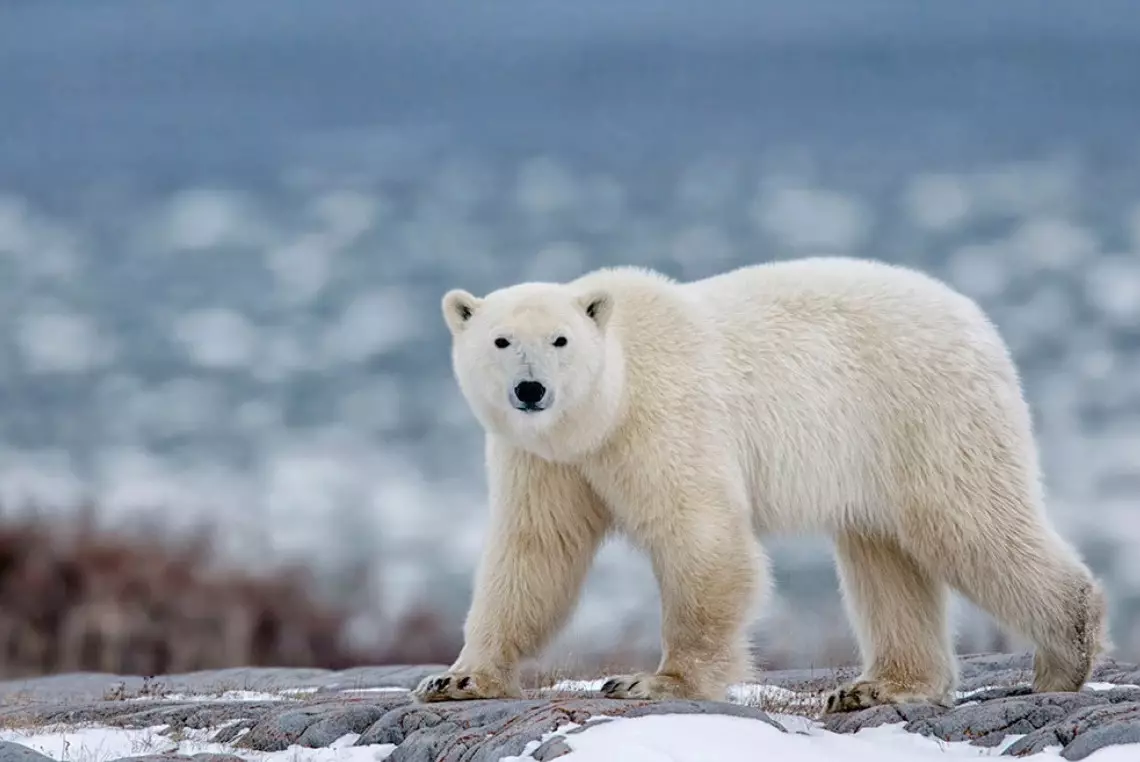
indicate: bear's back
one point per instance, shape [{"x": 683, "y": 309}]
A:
[{"x": 829, "y": 375}]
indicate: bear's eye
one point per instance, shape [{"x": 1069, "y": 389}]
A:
[
  {"x": 560, "y": 341},
  {"x": 502, "y": 343}
]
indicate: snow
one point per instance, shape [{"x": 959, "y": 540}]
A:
[
  {"x": 100, "y": 744},
  {"x": 666, "y": 737},
  {"x": 230, "y": 695},
  {"x": 753, "y": 694},
  {"x": 676, "y": 738},
  {"x": 706, "y": 737}
]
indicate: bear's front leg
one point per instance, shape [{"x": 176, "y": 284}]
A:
[
  {"x": 708, "y": 567},
  {"x": 546, "y": 527}
]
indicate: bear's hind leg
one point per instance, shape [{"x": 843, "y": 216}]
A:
[
  {"x": 898, "y": 612},
  {"x": 1031, "y": 581}
]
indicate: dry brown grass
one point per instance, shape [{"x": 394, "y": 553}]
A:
[{"x": 74, "y": 598}]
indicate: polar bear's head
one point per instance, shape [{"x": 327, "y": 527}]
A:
[{"x": 530, "y": 359}]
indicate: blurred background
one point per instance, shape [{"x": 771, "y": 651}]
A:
[{"x": 228, "y": 428}]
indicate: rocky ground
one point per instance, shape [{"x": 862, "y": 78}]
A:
[{"x": 247, "y": 711}]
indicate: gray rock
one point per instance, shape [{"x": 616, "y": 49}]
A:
[
  {"x": 478, "y": 731},
  {"x": 853, "y": 722},
  {"x": 990, "y": 694},
  {"x": 1120, "y": 673},
  {"x": 277, "y": 731},
  {"x": 89, "y": 687},
  {"x": 338, "y": 723},
  {"x": 1091, "y": 719},
  {"x": 551, "y": 749},
  {"x": 14, "y": 752},
  {"x": 989, "y": 723},
  {"x": 1100, "y": 737},
  {"x": 395, "y": 725},
  {"x": 230, "y": 732},
  {"x": 496, "y": 729}
]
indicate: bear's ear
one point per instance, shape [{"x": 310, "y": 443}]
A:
[
  {"x": 597, "y": 305},
  {"x": 458, "y": 307}
]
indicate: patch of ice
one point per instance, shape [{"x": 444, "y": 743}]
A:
[
  {"x": 937, "y": 201},
  {"x": 205, "y": 218},
  {"x": 812, "y": 218},
  {"x": 700, "y": 249},
  {"x": 372, "y": 324},
  {"x": 217, "y": 338},
  {"x": 62, "y": 341},
  {"x": 1025, "y": 188},
  {"x": 560, "y": 261},
  {"x": 347, "y": 214},
  {"x": 303, "y": 267},
  {"x": 1053, "y": 243},
  {"x": 377, "y": 403},
  {"x": 545, "y": 186},
  {"x": 1112, "y": 287}
]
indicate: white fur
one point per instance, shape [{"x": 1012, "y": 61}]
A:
[{"x": 861, "y": 400}]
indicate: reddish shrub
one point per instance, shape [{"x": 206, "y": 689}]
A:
[{"x": 73, "y": 598}]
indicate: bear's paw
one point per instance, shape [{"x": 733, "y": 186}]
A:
[
  {"x": 644, "y": 685},
  {"x": 864, "y": 694},
  {"x": 464, "y": 686}
]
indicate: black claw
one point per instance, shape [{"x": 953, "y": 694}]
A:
[
  {"x": 463, "y": 683},
  {"x": 609, "y": 686},
  {"x": 633, "y": 685}
]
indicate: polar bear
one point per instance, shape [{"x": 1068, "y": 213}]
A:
[{"x": 854, "y": 398}]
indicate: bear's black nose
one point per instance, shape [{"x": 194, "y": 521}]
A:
[{"x": 530, "y": 392}]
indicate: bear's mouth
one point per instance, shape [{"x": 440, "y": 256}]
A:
[{"x": 530, "y": 407}]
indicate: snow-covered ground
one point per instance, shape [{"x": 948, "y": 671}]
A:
[
  {"x": 709, "y": 738},
  {"x": 666, "y": 737},
  {"x": 102, "y": 744}
]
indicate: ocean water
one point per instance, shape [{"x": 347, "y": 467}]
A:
[{"x": 225, "y": 230}]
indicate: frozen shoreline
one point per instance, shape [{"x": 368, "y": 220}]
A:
[{"x": 367, "y": 714}]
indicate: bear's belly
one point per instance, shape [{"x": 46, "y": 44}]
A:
[{"x": 810, "y": 485}]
